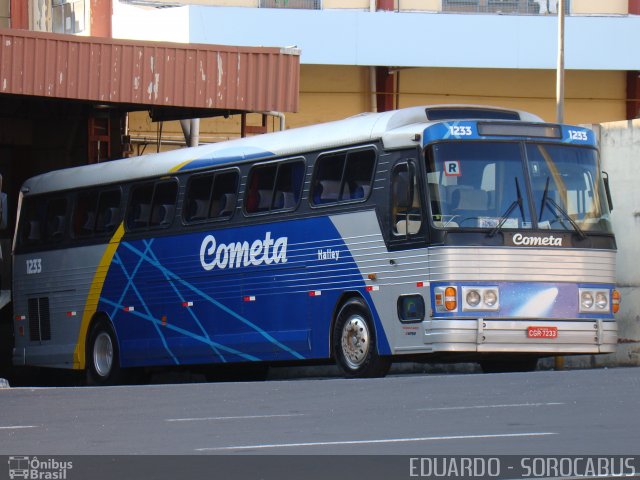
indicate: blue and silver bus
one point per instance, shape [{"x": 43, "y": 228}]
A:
[{"x": 439, "y": 233}]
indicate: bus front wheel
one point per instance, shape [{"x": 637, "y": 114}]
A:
[
  {"x": 354, "y": 342},
  {"x": 103, "y": 364}
]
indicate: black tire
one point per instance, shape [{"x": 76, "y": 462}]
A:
[
  {"x": 508, "y": 364},
  {"x": 103, "y": 356},
  {"x": 355, "y": 344}
]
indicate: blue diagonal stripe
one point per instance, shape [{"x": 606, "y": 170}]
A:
[
  {"x": 212, "y": 301},
  {"x": 182, "y": 299},
  {"x": 182, "y": 331}
]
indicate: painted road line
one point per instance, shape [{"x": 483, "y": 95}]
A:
[
  {"x": 372, "y": 442},
  {"x": 246, "y": 417},
  {"x": 17, "y": 427},
  {"x": 471, "y": 407}
]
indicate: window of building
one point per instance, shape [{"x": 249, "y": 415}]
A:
[
  {"x": 274, "y": 187},
  {"x": 343, "y": 176},
  {"x": 68, "y": 16},
  {"x": 301, "y": 4},
  {"x": 211, "y": 196},
  {"x": 527, "y": 7}
]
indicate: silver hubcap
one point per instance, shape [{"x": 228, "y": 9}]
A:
[
  {"x": 103, "y": 354},
  {"x": 355, "y": 341}
]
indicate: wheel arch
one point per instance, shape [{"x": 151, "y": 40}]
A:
[
  {"x": 98, "y": 317},
  {"x": 344, "y": 299}
]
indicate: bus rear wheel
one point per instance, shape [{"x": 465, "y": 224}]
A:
[
  {"x": 103, "y": 356},
  {"x": 354, "y": 342}
]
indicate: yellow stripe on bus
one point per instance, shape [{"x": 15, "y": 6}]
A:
[
  {"x": 91, "y": 305},
  {"x": 179, "y": 166}
]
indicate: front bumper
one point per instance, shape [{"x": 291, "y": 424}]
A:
[{"x": 486, "y": 335}]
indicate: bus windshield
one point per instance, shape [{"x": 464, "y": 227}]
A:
[{"x": 483, "y": 185}]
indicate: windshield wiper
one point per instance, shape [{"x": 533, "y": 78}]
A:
[
  {"x": 547, "y": 200},
  {"x": 553, "y": 203},
  {"x": 504, "y": 217}
]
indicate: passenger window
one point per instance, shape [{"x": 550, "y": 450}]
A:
[
  {"x": 85, "y": 214},
  {"x": 56, "y": 219},
  {"x": 211, "y": 196},
  {"x": 164, "y": 204},
  {"x": 406, "y": 203},
  {"x": 32, "y": 218},
  {"x": 152, "y": 205},
  {"x": 274, "y": 187},
  {"x": 109, "y": 211},
  {"x": 343, "y": 177}
]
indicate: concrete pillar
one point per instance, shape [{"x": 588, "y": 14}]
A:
[
  {"x": 384, "y": 89},
  {"x": 633, "y": 94},
  {"x": 100, "y": 21},
  {"x": 19, "y": 14}
]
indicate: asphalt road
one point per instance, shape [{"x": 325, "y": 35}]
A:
[{"x": 566, "y": 412}]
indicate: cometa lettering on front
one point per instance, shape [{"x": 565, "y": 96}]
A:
[
  {"x": 550, "y": 241},
  {"x": 241, "y": 254}
]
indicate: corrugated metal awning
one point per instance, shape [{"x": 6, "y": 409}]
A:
[{"x": 207, "y": 79}]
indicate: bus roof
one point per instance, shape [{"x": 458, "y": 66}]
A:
[{"x": 353, "y": 130}]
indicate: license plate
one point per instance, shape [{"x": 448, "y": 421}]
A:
[{"x": 542, "y": 332}]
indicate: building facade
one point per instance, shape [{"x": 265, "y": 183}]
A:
[{"x": 361, "y": 55}]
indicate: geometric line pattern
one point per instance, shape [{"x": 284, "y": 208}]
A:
[{"x": 149, "y": 256}]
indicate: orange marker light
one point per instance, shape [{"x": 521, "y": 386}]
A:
[
  {"x": 615, "y": 301},
  {"x": 450, "y": 298}
]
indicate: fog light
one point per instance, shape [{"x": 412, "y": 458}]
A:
[
  {"x": 602, "y": 301},
  {"x": 473, "y": 298},
  {"x": 587, "y": 300}
]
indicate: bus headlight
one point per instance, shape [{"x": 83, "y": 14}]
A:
[
  {"x": 490, "y": 297},
  {"x": 480, "y": 299},
  {"x": 586, "y": 300},
  {"x": 473, "y": 298},
  {"x": 592, "y": 300},
  {"x": 602, "y": 301}
]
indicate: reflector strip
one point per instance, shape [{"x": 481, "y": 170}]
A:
[
  {"x": 128, "y": 309},
  {"x": 315, "y": 293},
  {"x": 422, "y": 284},
  {"x": 21, "y": 317},
  {"x": 373, "y": 288},
  {"x": 187, "y": 304},
  {"x": 71, "y": 314},
  {"x": 249, "y": 298}
]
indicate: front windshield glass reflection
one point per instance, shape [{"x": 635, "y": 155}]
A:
[
  {"x": 567, "y": 186},
  {"x": 477, "y": 185}
]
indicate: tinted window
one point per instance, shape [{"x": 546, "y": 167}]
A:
[
  {"x": 152, "y": 204},
  {"x": 343, "y": 176},
  {"x": 274, "y": 187},
  {"x": 96, "y": 213},
  {"x": 211, "y": 196}
]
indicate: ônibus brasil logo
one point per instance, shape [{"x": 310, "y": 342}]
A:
[
  {"x": 38, "y": 469},
  {"x": 241, "y": 254}
]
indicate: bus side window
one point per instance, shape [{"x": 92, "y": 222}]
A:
[
  {"x": 224, "y": 195},
  {"x": 343, "y": 177},
  {"x": 211, "y": 196},
  {"x": 56, "y": 219},
  {"x": 31, "y": 220},
  {"x": 288, "y": 185},
  {"x": 406, "y": 208},
  {"x": 109, "y": 213},
  {"x": 140, "y": 206},
  {"x": 84, "y": 215},
  {"x": 163, "y": 208},
  {"x": 275, "y": 186}
]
